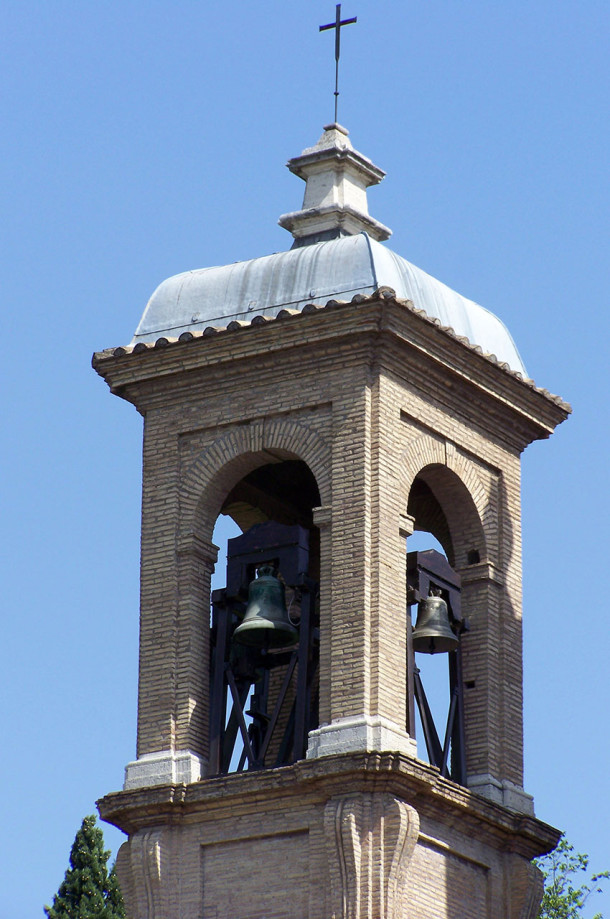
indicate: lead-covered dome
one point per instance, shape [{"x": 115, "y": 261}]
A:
[{"x": 337, "y": 254}]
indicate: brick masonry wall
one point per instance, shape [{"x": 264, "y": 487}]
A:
[
  {"x": 335, "y": 842},
  {"x": 476, "y": 481},
  {"x": 372, "y": 399},
  {"x": 367, "y": 423}
]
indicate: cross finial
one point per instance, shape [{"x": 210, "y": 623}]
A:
[{"x": 337, "y": 26}]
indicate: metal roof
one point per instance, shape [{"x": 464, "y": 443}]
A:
[{"x": 337, "y": 268}]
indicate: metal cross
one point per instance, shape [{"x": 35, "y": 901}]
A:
[{"x": 337, "y": 25}]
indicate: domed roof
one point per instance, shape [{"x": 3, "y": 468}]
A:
[
  {"x": 333, "y": 269},
  {"x": 337, "y": 253}
]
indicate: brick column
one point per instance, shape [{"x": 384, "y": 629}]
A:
[
  {"x": 367, "y": 678},
  {"x": 491, "y": 654},
  {"x": 174, "y": 625},
  {"x": 196, "y": 560},
  {"x": 322, "y": 517}
]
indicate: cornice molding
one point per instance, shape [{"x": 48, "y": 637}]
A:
[
  {"x": 389, "y": 332},
  {"x": 314, "y": 781}
]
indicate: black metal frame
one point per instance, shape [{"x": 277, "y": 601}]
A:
[
  {"x": 427, "y": 570},
  {"x": 236, "y": 669}
]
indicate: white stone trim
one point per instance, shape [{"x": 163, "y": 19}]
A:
[
  {"x": 502, "y": 792},
  {"x": 164, "y": 768},
  {"x": 336, "y": 178},
  {"x": 360, "y": 734}
]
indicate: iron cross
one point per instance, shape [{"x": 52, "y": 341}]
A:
[{"x": 337, "y": 26}]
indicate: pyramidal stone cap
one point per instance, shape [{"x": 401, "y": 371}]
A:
[{"x": 337, "y": 254}]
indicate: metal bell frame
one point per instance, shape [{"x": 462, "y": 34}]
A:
[
  {"x": 241, "y": 672},
  {"x": 428, "y": 571}
]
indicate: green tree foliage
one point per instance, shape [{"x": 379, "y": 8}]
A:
[
  {"x": 563, "y": 897},
  {"x": 89, "y": 890}
]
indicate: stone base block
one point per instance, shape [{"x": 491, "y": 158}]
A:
[
  {"x": 505, "y": 793},
  {"x": 360, "y": 735},
  {"x": 164, "y": 768}
]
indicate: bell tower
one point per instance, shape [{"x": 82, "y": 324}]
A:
[{"x": 333, "y": 399}]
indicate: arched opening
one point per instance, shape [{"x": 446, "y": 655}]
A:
[
  {"x": 265, "y": 701},
  {"x": 446, "y": 521},
  {"x": 431, "y": 528},
  {"x": 285, "y": 492},
  {"x": 433, "y": 669},
  {"x": 441, "y": 505}
]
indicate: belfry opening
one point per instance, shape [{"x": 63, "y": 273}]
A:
[
  {"x": 265, "y": 629},
  {"x": 440, "y": 504},
  {"x": 439, "y": 638},
  {"x": 284, "y": 491}
]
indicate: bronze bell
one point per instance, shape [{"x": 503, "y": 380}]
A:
[
  {"x": 433, "y": 633},
  {"x": 266, "y": 623}
]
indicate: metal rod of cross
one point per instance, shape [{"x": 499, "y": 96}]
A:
[{"x": 337, "y": 26}]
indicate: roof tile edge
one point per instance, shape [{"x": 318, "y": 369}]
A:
[{"x": 385, "y": 293}]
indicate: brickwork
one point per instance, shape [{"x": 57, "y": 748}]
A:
[
  {"x": 346, "y": 838},
  {"x": 396, "y": 420},
  {"x": 227, "y": 892},
  {"x": 476, "y": 482}
]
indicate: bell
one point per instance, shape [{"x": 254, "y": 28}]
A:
[
  {"x": 266, "y": 623},
  {"x": 433, "y": 633}
]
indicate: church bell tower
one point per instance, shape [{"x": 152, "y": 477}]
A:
[{"x": 332, "y": 399}]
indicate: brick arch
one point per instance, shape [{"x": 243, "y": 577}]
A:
[
  {"x": 458, "y": 489},
  {"x": 235, "y": 454}
]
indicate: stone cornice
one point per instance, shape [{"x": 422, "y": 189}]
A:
[
  {"x": 311, "y": 782},
  {"x": 397, "y": 324},
  {"x": 319, "y": 157}
]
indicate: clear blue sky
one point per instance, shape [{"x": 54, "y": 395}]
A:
[{"x": 143, "y": 139}]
